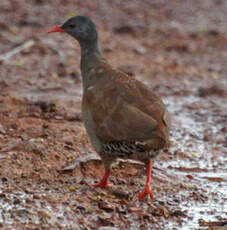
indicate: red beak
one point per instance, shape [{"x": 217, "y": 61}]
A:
[{"x": 56, "y": 29}]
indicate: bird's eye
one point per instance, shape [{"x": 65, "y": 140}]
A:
[{"x": 71, "y": 26}]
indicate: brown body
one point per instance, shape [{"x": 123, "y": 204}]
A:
[{"x": 122, "y": 116}]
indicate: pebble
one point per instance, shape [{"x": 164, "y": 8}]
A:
[{"x": 108, "y": 228}]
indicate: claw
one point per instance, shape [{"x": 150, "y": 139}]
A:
[
  {"x": 147, "y": 191},
  {"x": 101, "y": 184},
  {"x": 104, "y": 182}
]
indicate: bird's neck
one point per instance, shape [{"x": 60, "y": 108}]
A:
[
  {"x": 89, "y": 49},
  {"x": 90, "y": 56}
]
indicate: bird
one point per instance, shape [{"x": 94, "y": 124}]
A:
[{"x": 122, "y": 116}]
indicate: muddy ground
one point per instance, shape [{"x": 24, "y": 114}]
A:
[{"x": 47, "y": 165}]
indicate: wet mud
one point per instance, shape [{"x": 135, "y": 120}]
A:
[{"x": 48, "y": 166}]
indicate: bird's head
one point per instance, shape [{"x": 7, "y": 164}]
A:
[{"x": 80, "y": 27}]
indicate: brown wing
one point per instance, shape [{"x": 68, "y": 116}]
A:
[{"x": 124, "y": 109}]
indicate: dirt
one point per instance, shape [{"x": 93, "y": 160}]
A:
[{"x": 47, "y": 165}]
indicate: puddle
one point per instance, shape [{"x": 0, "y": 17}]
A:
[
  {"x": 33, "y": 208},
  {"x": 198, "y": 163}
]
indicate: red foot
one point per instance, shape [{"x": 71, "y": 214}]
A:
[
  {"x": 147, "y": 191},
  {"x": 104, "y": 182},
  {"x": 101, "y": 184}
]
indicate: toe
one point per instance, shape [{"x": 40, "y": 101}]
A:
[
  {"x": 147, "y": 191},
  {"x": 102, "y": 185}
]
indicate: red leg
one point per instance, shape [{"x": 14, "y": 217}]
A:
[
  {"x": 147, "y": 190},
  {"x": 104, "y": 182}
]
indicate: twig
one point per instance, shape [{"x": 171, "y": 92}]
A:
[{"x": 16, "y": 50}]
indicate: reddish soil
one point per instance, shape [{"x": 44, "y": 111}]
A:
[{"x": 47, "y": 165}]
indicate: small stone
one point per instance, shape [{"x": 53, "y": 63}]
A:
[
  {"x": 108, "y": 228},
  {"x": 72, "y": 188},
  {"x": 44, "y": 214},
  {"x": 2, "y": 130},
  {"x": 140, "y": 50}
]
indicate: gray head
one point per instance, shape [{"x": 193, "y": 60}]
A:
[{"x": 80, "y": 27}]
